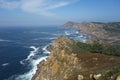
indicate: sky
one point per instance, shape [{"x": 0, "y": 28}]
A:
[{"x": 57, "y": 12}]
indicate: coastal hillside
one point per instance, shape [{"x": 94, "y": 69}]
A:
[
  {"x": 73, "y": 60},
  {"x": 102, "y": 32}
]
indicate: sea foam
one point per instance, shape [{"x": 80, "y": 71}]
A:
[
  {"x": 31, "y": 73},
  {"x": 32, "y": 54},
  {"x": 45, "y": 49},
  {"x": 33, "y": 63}
]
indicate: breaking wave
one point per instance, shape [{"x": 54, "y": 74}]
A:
[
  {"x": 31, "y": 73},
  {"x": 33, "y": 63},
  {"x": 31, "y": 55},
  {"x": 45, "y": 50}
]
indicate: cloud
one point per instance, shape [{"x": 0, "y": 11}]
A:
[
  {"x": 41, "y": 7},
  {"x": 9, "y": 5},
  {"x": 61, "y": 4}
]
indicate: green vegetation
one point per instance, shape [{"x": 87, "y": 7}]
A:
[
  {"x": 98, "y": 48},
  {"x": 92, "y": 57},
  {"x": 110, "y": 73}
]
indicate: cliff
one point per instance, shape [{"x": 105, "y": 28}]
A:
[
  {"x": 60, "y": 65},
  {"x": 73, "y": 60},
  {"x": 102, "y": 32}
]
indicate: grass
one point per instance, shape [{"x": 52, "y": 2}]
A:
[{"x": 95, "y": 58}]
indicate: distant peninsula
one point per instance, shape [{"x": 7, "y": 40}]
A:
[
  {"x": 99, "y": 31},
  {"x": 97, "y": 59}
]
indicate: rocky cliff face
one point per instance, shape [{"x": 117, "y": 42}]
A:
[
  {"x": 102, "y": 32},
  {"x": 69, "y": 60},
  {"x": 60, "y": 64}
]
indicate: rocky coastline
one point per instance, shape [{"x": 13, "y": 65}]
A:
[
  {"x": 39, "y": 68},
  {"x": 107, "y": 33},
  {"x": 40, "y": 65},
  {"x": 64, "y": 62}
]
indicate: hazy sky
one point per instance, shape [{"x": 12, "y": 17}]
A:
[{"x": 56, "y": 12}]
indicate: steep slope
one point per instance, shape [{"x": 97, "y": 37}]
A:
[
  {"x": 72, "y": 60},
  {"x": 60, "y": 64}
]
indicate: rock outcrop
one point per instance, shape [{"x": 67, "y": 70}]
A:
[{"x": 60, "y": 64}]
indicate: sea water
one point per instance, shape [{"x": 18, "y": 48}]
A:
[{"x": 22, "y": 48}]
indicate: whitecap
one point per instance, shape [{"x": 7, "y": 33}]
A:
[
  {"x": 45, "y": 49},
  {"x": 31, "y": 55},
  {"x": 50, "y": 38},
  {"x": 67, "y": 33},
  {"x": 77, "y": 32},
  {"x": 5, "y": 64}
]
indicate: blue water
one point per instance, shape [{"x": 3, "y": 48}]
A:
[{"x": 22, "y": 48}]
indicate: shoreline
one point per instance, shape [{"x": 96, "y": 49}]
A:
[
  {"x": 39, "y": 68},
  {"x": 46, "y": 49},
  {"x": 97, "y": 34}
]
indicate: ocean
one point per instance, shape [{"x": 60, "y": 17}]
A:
[{"x": 22, "y": 48}]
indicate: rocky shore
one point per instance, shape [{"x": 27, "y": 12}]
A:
[
  {"x": 39, "y": 68},
  {"x": 41, "y": 64}
]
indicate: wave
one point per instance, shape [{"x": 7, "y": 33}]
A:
[
  {"x": 32, "y": 54},
  {"x": 5, "y": 64},
  {"x": 50, "y": 38},
  {"x": 45, "y": 32},
  {"x": 3, "y": 40},
  {"x": 29, "y": 75},
  {"x": 33, "y": 63},
  {"x": 67, "y": 33},
  {"x": 77, "y": 32},
  {"x": 45, "y": 50}
]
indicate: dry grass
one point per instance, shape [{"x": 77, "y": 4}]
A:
[{"x": 96, "y": 63}]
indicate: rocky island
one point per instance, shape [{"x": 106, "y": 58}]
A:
[{"x": 97, "y": 59}]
